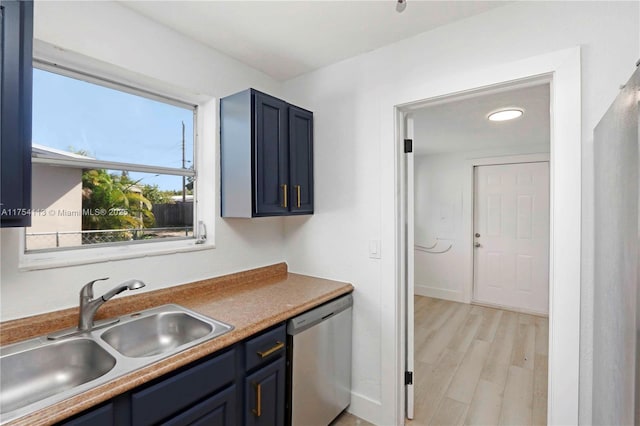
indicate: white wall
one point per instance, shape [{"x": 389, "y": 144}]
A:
[
  {"x": 117, "y": 36},
  {"x": 443, "y": 210},
  {"x": 354, "y": 153}
]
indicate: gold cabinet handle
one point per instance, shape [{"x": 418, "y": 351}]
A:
[
  {"x": 298, "y": 191},
  {"x": 275, "y": 348},
  {"x": 284, "y": 195},
  {"x": 258, "y": 410}
]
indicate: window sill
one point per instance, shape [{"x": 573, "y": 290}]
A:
[{"x": 85, "y": 256}]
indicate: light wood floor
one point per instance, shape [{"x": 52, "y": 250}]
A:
[{"x": 476, "y": 366}]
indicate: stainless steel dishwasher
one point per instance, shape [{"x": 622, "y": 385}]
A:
[{"x": 319, "y": 362}]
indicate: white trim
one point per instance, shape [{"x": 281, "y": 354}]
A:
[
  {"x": 400, "y": 271},
  {"x": 565, "y": 243},
  {"x": 368, "y": 409},
  {"x": 470, "y": 93},
  {"x": 509, "y": 308},
  {"x": 89, "y": 255},
  {"x": 110, "y": 165},
  {"x": 136, "y": 89},
  {"x": 439, "y": 293},
  {"x": 44, "y": 52},
  {"x": 509, "y": 159}
]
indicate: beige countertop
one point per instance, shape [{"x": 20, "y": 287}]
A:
[{"x": 251, "y": 301}]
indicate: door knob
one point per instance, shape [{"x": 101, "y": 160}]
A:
[
  {"x": 477, "y": 235},
  {"x": 477, "y": 245}
]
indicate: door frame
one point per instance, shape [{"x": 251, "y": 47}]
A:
[
  {"x": 562, "y": 69},
  {"x": 409, "y": 241},
  {"x": 468, "y": 216}
]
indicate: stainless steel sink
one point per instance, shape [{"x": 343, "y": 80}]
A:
[
  {"x": 40, "y": 372},
  {"x": 156, "y": 334}
]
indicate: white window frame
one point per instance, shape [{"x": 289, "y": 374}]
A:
[{"x": 73, "y": 65}]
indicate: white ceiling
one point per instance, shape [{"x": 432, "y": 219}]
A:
[
  {"x": 285, "y": 39},
  {"x": 462, "y": 125}
]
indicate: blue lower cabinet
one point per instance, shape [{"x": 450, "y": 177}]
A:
[
  {"x": 264, "y": 392},
  {"x": 209, "y": 392}
]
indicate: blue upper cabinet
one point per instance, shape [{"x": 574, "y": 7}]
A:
[
  {"x": 266, "y": 156},
  {"x": 16, "y": 32}
]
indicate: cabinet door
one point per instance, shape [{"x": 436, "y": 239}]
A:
[
  {"x": 270, "y": 156},
  {"x": 16, "y": 31},
  {"x": 301, "y": 160},
  {"x": 265, "y": 395}
]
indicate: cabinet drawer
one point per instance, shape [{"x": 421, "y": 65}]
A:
[
  {"x": 163, "y": 399},
  {"x": 265, "y": 347},
  {"x": 218, "y": 410},
  {"x": 102, "y": 416}
]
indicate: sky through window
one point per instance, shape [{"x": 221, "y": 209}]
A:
[{"x": 110, "y": 125}]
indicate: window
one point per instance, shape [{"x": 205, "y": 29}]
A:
[{"x": 112, "y": 164}]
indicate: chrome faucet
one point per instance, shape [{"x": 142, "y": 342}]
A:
[{"x": 89, "y": 305}]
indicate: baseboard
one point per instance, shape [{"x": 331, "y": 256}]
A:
[
  {"x": 509, "y": 308},
  {"x": 439, "y": 293},
  {"x": 365, "y": 408}
]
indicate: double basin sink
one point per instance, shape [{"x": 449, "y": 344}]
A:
[{"x": 45, "y": 370}]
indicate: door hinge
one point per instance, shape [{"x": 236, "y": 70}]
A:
[
  {"x": 408, "y": 145},
  {"x": 408, "y": 377}
]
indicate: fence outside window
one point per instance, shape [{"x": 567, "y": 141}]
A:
[{"x": 68, "y": 239}]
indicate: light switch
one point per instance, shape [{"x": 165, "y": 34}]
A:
[{"x": 374, "y": 249}]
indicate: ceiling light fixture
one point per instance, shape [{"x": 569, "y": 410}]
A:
[
  {"x": 505, "y": 114},
  {"x": 401, "y": 6}
]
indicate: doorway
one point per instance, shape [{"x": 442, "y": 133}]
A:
[
  {"x": 467, "y": 357},
  {"x": 562, "y": 70},
  {"x": 511, "y": 236}
]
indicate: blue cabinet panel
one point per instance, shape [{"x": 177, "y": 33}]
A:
[
  {"x": 103, "y": 416},
  {"x": 16, "y": 32},
  {"x": 218, "y": 410}
]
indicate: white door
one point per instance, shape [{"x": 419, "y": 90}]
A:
[{"x": 511, "y": 236}]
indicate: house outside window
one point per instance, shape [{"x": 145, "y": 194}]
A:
[{"x": 112, "y": 165}]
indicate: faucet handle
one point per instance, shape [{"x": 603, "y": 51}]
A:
[{"x": 87, "y": 289}]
